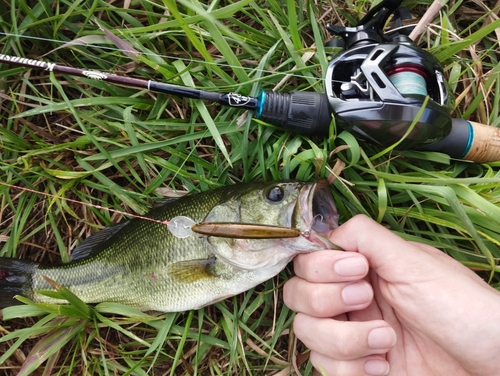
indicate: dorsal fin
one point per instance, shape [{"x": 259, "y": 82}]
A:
[
  {"x": 89, "y": 246},
  {"x": 163, "y": 201}
]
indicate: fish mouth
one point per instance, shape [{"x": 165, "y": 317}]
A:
[
  {"x": 317, "y": 209},
  {"x": 324, "y": 211}
]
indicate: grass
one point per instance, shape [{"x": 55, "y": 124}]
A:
[{"x": 113, "y": 147}]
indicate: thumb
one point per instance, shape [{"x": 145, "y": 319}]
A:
[
  {"x": 387, "y": 253},
  {"x": 440, "y": 297}
]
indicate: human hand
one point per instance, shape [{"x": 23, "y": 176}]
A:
[{"x": 416, "y": 311}]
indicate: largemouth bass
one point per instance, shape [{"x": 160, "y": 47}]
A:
[{"x": 141, "y": 263}]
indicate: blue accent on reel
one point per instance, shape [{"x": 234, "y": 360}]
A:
[
  {"x": 470, "y": 139},
  {"x": 260, "y": 104}
]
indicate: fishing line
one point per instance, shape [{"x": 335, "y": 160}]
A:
[
  {"x": 82, "y": 203},
  {"x": 184, "y": 227},
  {"x": 409, "y": 80},
  {"x": 184, "y": 59}
]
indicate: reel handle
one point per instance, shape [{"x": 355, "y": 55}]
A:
[{"x": 471, "y": 141}]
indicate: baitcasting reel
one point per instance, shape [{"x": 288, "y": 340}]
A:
[
  {"x": 376, "y": 88},
  {"x": 378, "y": 84}
]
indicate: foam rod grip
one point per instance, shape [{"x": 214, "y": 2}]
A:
[{"x": 485, "y": 145}]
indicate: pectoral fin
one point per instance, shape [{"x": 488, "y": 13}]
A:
[{"x": 192, "y": 270}]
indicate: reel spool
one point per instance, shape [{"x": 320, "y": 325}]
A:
[
  {"x": 377, "y": 85},
  {"x": 408, "y": 80}
]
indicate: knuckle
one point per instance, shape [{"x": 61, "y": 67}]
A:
[
  {"x": 360, "y": 221},
  {"x": 316, "y": 266},
  {"x": 288, "y": 293},
  {"x": 300, "y": 325},
  {"x": 303, "y": 265},
  {"x": 341, "y": 353},
  {"x": 343, "y": 348},
  {"x": 293, "y": 294},
  {"x": 320, "y": 303},
  {"x": 345, "y": 343}
]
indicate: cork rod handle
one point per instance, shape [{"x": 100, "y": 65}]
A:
[{"x": 485, "y": 145}]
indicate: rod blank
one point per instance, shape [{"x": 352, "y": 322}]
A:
[{"x": 226, "y": 99}]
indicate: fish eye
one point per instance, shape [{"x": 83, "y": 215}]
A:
[{"x": 275, "y": 194}]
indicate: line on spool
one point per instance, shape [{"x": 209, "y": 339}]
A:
[{"x": 408, "y": 80}]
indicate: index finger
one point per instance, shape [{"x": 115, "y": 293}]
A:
[{"x": 330, "y": 266}]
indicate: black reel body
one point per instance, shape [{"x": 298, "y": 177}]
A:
[{"x": 378, "y": 84}]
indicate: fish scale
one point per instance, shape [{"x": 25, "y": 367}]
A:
[
  {"x": 140, "y": 263},
  {"x": 141, "y": 273}
]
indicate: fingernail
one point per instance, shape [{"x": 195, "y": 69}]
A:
[
  {"x": 381, "y": 338},
  {"x": 357, "y": 293},
  {"x": 376, "y": 367},
  {"x": 351, "y": 267}
]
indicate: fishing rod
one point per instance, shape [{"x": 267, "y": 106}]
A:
[
  {"x": 302, "y": 112},
  {"x": 381, "y": 87}
]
